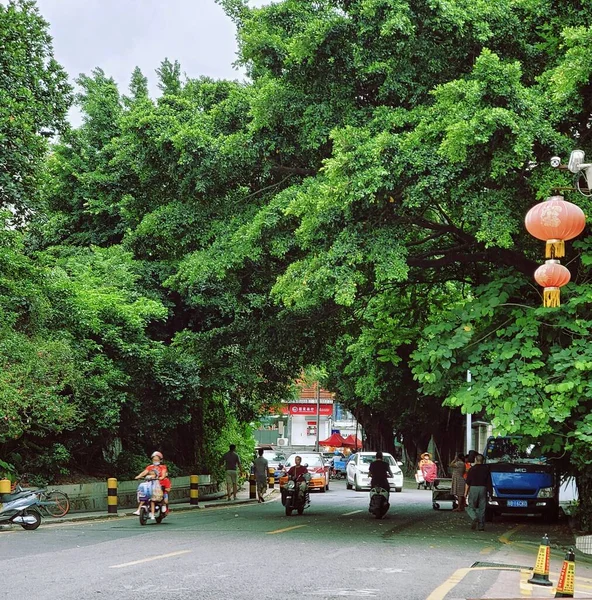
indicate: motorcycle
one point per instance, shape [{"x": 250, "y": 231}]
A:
[
  {"x": 19, "y": 508},
  {"x": 295, "y": 499},
  {"x": 379, "y": 502}
]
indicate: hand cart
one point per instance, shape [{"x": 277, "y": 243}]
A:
[{"x": 442, "y": 492}]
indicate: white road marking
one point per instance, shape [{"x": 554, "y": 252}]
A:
[
  {"x": 353, "y": 512},
  {"x": 145, "y": 560},
  {"x": 350, "y": 593}
]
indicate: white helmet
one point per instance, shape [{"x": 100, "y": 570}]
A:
[{"x": 156, "y": 454}]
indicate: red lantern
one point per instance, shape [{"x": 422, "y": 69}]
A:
[
  {"x": 552, "y": 276},
  {"x": 554, "y": 221}
]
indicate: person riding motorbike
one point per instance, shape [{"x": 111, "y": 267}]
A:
[
  {"x": 380, "y": 471},
  {"x": 158, "y": 471},
  {"x": 296, "y": 473}
]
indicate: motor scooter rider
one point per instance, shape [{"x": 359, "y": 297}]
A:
[
  {"x": 296, "y": 473},
  {"x": 158, "y": 471},
  {"x": 380, "y": 471}
]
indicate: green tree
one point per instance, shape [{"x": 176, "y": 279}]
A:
[{"x": 34, "y": 99}]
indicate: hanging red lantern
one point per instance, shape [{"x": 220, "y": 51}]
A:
[
  {"x": 552, "y": 276},
  {"x": 554, "y": 221}
]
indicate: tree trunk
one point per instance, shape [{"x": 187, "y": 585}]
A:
[{"x": 584, "y": 512}]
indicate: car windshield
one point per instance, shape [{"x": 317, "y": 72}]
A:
[
  {"x": 504, "y": 449},
  {"x": 274, "y": 456},
  {"x": 312, "y": 460}
]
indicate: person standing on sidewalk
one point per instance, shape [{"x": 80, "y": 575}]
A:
[
  {"x": 477, "y": 484},
  {"x": 261, "y": 470},
  {"x": 232, "y": 465},
  {"x": 457, "y": 468}
]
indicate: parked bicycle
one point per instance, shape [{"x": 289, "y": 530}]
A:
[{"x": 52, "y": 502}]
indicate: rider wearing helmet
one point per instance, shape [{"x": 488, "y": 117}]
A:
[{"x": 159, "y": 471}]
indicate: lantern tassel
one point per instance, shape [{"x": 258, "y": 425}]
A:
[
  {"x": 555, "y": 249},
  {"x": 551, "y": 297}
]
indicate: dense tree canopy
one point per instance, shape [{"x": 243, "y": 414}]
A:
[{"x": 358, "y": 205}]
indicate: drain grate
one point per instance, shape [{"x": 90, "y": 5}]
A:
[{"x": 499, "y": 566}]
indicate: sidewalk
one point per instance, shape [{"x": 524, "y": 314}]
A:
[{"x": 210, "y": 501}]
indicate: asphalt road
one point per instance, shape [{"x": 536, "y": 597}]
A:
[{"x": 255, "y": 552}]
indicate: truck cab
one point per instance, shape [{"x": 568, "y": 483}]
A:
[{"x": 523, "y": 481}]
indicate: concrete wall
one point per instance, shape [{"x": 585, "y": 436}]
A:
[{"x": 90, "y": 497}]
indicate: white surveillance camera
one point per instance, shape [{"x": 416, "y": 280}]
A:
[
  {"x": 555, "y": 161},
  {"x": 575, "y": 160}
]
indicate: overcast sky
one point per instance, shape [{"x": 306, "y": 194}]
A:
[{"x": 118, "y": 35}]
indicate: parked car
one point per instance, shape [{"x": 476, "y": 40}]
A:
[
  {"x": 357, "y": 471},
  {"x": 318, "y": 469}
]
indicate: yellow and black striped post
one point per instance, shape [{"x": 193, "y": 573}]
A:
[
  {"x": 194, "y": 490},
  {"x": 112, "y": 496},
  {"x": 271, "y": 481},
  {"x": 252, "y": 487}
]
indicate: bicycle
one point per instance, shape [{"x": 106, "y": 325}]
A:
[{"x": 53, "y": 502}]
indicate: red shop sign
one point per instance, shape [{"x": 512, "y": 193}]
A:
[{"x": 307, "y": 409}]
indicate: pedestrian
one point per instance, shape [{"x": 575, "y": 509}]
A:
[
  {"x": 428, "y": 469},
  {"x": 232, "y": 464},
  {"x": 457, "y": 488},
  {"x": 477, "y": 484},
  {"x": 261, "y": 470}
]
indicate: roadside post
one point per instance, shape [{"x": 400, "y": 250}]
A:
[
  {"x": 252, "y": 487},
  {"x": 112, "y": 496},
  {"x": 194, "y": 490}
]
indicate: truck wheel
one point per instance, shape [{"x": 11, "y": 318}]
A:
[{"x": 436, "y": 506}]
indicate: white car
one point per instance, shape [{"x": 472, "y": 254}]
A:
[{"x": 356, "y": 472}]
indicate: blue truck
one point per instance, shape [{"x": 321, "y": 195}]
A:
[{"x": 523, "y": 480}]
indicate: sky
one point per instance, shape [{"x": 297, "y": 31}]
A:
[{"x": 118, "y": 35}]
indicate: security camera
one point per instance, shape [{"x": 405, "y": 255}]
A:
[
  {"x": 575, "y": 161},
  {"x": 555, "y": 161}
]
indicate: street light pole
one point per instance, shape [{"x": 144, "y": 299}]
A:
[
  {"x": 318, "y": 415},
  {"x": 469, "y": 418}
]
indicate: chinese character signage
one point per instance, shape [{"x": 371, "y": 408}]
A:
[{"x": 308, "y": 409}]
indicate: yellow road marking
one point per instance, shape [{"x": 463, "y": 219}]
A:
[
  {"x": 145, "y": 560},
  {"x": 505, "y": 538},
  {"x": 286, "y": 529},
  {"x": 440, "y": 592},
  {"x": 353, "y": 512},
  {"x": 487, "y": 550}
]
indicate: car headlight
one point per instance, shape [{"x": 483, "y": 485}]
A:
[{"x": 546, "y": 493}]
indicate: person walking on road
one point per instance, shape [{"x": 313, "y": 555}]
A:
[
  {"x": 261, "y": 470},
  {"x": 457, "y": 468},
  {"x": 477, "y": 484},
  {"x": 232, "y": 465}
]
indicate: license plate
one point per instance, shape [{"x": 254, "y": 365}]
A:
[{"x": 517, "y": 503}]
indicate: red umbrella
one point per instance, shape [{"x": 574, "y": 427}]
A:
[
  {"x": 352, "y": 442},
  {"x": 333, "y": 440}
]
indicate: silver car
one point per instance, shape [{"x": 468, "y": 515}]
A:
[{"x": 357, "y": 475}]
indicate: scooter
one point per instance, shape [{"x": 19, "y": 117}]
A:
[
  {"x": 144, "y": 495},
  {"x": 379, "y": 502},
  {"x": 19, "y": 508},
  {"x": 293, "y": 498}
]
